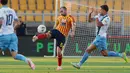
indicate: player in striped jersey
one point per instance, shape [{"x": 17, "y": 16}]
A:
[{"x": 60, "y": 32}]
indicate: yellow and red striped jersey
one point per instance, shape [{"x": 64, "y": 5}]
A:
[{"x": 64, "y": 24}]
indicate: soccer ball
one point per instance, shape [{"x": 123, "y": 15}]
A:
[{"x": 41, "y": 28}]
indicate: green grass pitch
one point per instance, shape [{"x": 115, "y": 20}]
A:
[{"x": 48, "y": 65}]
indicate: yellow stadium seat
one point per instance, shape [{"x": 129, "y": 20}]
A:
[
  {"x": 100, "y": 2},
  {"x": 40, "y": 4},
  {"x": 83, "y": 7},
  {"x": 47, "y": 17},
  {"x": 117, "y": 18},
  {"x": 110, "y": 4},
  {"x": 82, "y": 18},
  {"x": 92, "y": 3},
  {"x": 126, "y": 5},
  {"x": 126, "y": 21},
  {"x": 38, "y": 18},
  {"x": 118, "y": 5},
  {"x": 75, "y": 7},
  {"x": 21, "y": 12},
  {"x": 32, "y": 4},
  {"x": 23, "y": 4},
  {"x": 9, "y": 3},
  {"x": 127, "y": 17},
  {"x": 53, "y": 16},
  {"x": 49, "y": 4},
  {"x": 58, "y": 4},
  {"x": 29, "y": 17},
  {"x": 15, "y": 5}
]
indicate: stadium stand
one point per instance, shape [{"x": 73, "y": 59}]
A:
[
  {"x": 47, "y": 17},
  {"x": 48, "y": 6},
  {"x": 23, "y": 4},
  {"x": 38, "y": 18},
  {"x": 29, "y": 17},
  {"x": 32, "y": 4},
  {"x": 126, "y": 7},
  {"x": 14, "y": 4},
  {"x": 40, "y": 4},
  {"x": 21, "y": 12}
]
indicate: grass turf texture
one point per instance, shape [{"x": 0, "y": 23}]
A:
[{"x": 48, "y": 65}]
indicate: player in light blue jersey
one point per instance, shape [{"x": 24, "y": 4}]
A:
[
  {"x": 103, "y": 22},
  {"x": 8, "y": 39}
]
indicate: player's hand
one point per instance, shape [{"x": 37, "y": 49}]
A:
[
  {"x": 91, "y": 10},
  {"x": 35, "y": 38},
  {"x": 72, "y": 34}
]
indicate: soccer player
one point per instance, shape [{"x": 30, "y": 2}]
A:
[
  {"x": 63, "y": 25},
  {"x": 8, "y": 39},
  {"x": 100, "y": 42}
]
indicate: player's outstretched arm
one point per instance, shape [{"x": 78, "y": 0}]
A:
[
  {"x": 90, "y": 19},
  {"x": 73, "y": 26},
  {"x": 16, "y": 24},
  {"x": 73, "y": 29}
]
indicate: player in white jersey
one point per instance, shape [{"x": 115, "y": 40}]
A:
[
  {"x": 100, "y": 42},
  {"x": 8, "y": 39}
]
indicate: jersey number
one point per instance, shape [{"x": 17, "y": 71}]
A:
[{"x": 9, "y": 19}]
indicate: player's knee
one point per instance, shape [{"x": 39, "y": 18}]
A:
[
  {"x": 58, "y": 53},
  {"x": 87, "y": 50},
  {"x": 59, "y": 50},
  {"x": 14, "y": 57},
  {"x": 104, "y": 54}
]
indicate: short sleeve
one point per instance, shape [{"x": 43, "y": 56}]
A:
[
  {"x": 96, "y": 16},
  {"x": 106, "y": 21},
  {"x": 72, "y": 19},
  {"x": 15, "y": 16},
  {"x": 1, "y": 14}
]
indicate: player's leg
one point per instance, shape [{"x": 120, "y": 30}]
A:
[
  {"x": 3, "y": 44},
  {"x": 59, "y": 57},
  {"x": 13, "y": 47},
  {"x": 103, "y": 48},
  {"x": 95, "y": 44},
  {"x": 44, "y": 35},
  {"x": 110, "y": 53},
  {"x": 60, "y": 38},
  {"x": 49, "y": 34},
  {"x": 85, "y": 56},
  {"x": 21, "y": 57},
  {"x": 114, "y": 54}
]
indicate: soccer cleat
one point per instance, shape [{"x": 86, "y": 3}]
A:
[
  {"x": 59, "y": 68},
  {"x": 76, "y": 65},
  {"x": 125, "y": 57},
  {"x": 31, "y": 64}
]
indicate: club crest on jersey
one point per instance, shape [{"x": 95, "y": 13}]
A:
[{"x": 63, "y": 22}]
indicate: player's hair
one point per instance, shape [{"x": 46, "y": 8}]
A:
[
  {"x": 4, "y": 2},
  {"x": 63, "y": 7},
  {"x": 105, "y": 7}
]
